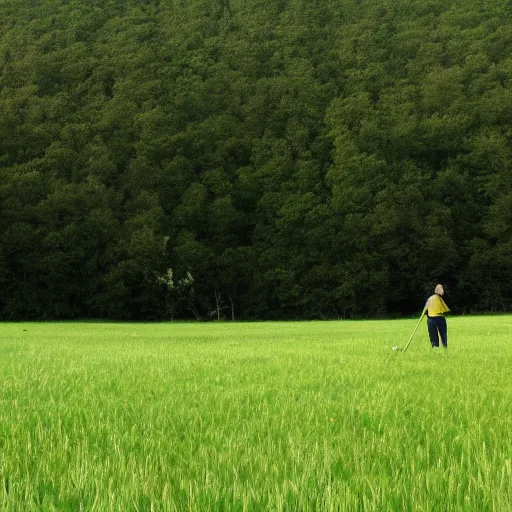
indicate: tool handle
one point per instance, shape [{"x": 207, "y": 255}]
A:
[{"x": 414, "y": 332}]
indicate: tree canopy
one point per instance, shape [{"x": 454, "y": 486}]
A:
[{"x": 254, "y": 159}]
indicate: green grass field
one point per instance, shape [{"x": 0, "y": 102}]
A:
[{"x": 258, "y": 416}]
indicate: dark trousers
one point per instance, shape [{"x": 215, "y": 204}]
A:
[{"x": 435, "y": 325}]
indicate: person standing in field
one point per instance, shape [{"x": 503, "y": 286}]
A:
[{"x": 436, "y": 322}]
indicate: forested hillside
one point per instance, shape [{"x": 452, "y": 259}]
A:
[{"x": 285, "y": 158}]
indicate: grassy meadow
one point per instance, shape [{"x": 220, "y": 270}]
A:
[{"x": 299, "y": 416}]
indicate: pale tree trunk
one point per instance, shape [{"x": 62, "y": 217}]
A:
[
  {"x": 217, "y": 303},
  {"x": 232, "y": 307}
]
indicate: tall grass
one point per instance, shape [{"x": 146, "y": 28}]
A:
[{"x": 318, "y": 416}]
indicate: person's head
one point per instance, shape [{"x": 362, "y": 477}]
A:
[{"x": 439, "y": 289}]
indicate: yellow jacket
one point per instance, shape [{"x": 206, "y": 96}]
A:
[{"x": 436, "y": 306}]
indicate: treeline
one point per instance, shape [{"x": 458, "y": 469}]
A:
[{"x": 254, "y": 159}]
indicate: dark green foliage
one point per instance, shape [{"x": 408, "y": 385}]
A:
[{"x": 298, "y": 159}]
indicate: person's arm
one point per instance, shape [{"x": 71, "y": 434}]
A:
[
  {"x": 446, "y": 309},
  {"x": 426, "y": 306}
]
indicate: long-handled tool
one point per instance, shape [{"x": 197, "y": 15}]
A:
[{"x": 415, "y": 329}]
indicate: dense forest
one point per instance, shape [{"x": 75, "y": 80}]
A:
[{"x": 254, "y": 159}]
